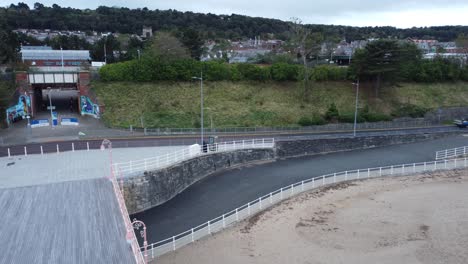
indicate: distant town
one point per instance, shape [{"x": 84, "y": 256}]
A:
[{"x": 235, "y": 51}]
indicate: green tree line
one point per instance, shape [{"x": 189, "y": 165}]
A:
[{"x": 125, "y": 20}]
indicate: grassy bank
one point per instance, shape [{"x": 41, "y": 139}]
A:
[{"x": 165, "y": 104}]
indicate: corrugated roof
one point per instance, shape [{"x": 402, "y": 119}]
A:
[
  {"x": 36, "y": 48},
  {"x": 55, "y": 54}
]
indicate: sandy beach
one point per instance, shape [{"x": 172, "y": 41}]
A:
[{"x": 411, "y": 219}]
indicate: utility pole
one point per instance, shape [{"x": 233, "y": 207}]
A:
[
  {"x": 105, "y": 51},
  {"x": 201, "y": 102},
  {"x": 61, "y": 51},
  {"x": 356, "y": 109}
]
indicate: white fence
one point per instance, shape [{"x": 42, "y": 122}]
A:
[
  {"x": 253, "y": 207},
  {"x": 451, "y": 153},
  {"x": 136, "y": 167}
]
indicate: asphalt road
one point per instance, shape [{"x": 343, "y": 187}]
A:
[
  {"x": 51, "y": 147},
  {"x": 223, "y": 192}
]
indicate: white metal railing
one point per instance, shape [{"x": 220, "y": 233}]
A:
[
  {"x": 451, "y": 153},
  {"x": 135, "y": 167},
  {"x": 253, "y": 207}
]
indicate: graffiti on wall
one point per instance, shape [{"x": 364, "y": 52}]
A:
[
  {"x": 88, "y": 107},
  {"x": 19, "y": 111}
]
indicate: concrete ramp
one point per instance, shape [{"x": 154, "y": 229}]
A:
[{"x": 68, "y": 222}]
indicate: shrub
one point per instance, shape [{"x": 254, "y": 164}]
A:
[
  {"x": 329, "y": 73},
  {"x": 332, "y": 113},
  {"x": 373, "y": 117},
  {"x": 284, "y": 72},
  {"x": 377, "y": 117},
  {"x": 409, "y": 110},
  {"x": 348, "y": 117},
  {"x": 314, "y": 121}
]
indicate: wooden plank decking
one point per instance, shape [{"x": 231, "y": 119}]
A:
[{"x": 68, "y": 222}]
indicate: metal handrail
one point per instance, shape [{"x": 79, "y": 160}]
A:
[
  {"x": 134, "y": 167},
  {"x": 172, "y": 243},
  {"x": 451, "y": 153},
  {"x": 339, "y": 127}
]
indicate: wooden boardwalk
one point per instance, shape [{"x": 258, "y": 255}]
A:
[{"x": 68, "y": 222}]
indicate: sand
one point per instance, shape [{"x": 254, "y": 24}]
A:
[{"x": 412, "y": 219}]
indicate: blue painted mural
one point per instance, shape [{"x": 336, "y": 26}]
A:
[
  {"x": 88, "y": 107},
  {"x": 20, "y": 110}
]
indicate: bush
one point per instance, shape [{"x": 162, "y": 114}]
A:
[
  {"x": 332, "y": 113},
  {"x": 409, "y": 110},
  {"x": 314, "y": 121},
  {"x": 377, "y": 117},
  {"x": 373, "y": 117},
  {"x": 349, "y": 118},
  {"x": 329, "y": 73},
  {"x": 253, "y": 72},
  {"x": 284, "y": 72}
]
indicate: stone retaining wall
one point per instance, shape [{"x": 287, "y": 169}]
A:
[
  {"x": 295, "y": 148},
  {"x": 156, "y": 187}
]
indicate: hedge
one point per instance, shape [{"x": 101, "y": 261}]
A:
[{"x": 154, "y": 69}]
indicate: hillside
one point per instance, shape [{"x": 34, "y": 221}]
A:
[
  {"x": 211, "y": 26},
  {"x": 177, "y": 104}
]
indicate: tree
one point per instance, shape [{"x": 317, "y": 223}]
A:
[
  {"x": 462, "y": 42},
  {"x": 193, "y": 41},
  {"x": 382, "y": 60},
  {"x": 105, "y": 49},
  {"x": 38, "y": 6},
  {"x": 9, "y": 45},
  {"x": 167, "y": 47},
  {"x": 305, "y": 43}
]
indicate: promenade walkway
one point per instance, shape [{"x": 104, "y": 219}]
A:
[{"x": 60, "y": 208}]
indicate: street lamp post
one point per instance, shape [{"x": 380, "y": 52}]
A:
[
  {"x": 50, "y": 106},
  {"x": 61, "y": 51},
  {"x": 356, "y": 109},
  {"x": 201, "y": 103}
]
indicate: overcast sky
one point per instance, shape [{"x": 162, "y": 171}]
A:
[{"x": 398, "y": 13}]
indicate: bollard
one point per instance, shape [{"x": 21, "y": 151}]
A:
[
  {"x": 58, "y": 151},
  {"x": 25, "y": 151},
  {"x": 87, "y": 146},
  {"x": 73, "y": 147},
  {"x": 42, "y": 151},
  {"x": 192, "y": 236},
  {"x": 9, "y": 153}
]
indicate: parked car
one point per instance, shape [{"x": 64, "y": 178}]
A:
[{"x": 461, "y": 123}]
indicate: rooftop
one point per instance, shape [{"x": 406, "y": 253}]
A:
[{"x": 33, "y": 54}]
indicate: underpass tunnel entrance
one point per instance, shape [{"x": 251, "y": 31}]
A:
[{"x": 63, "y": 99}]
